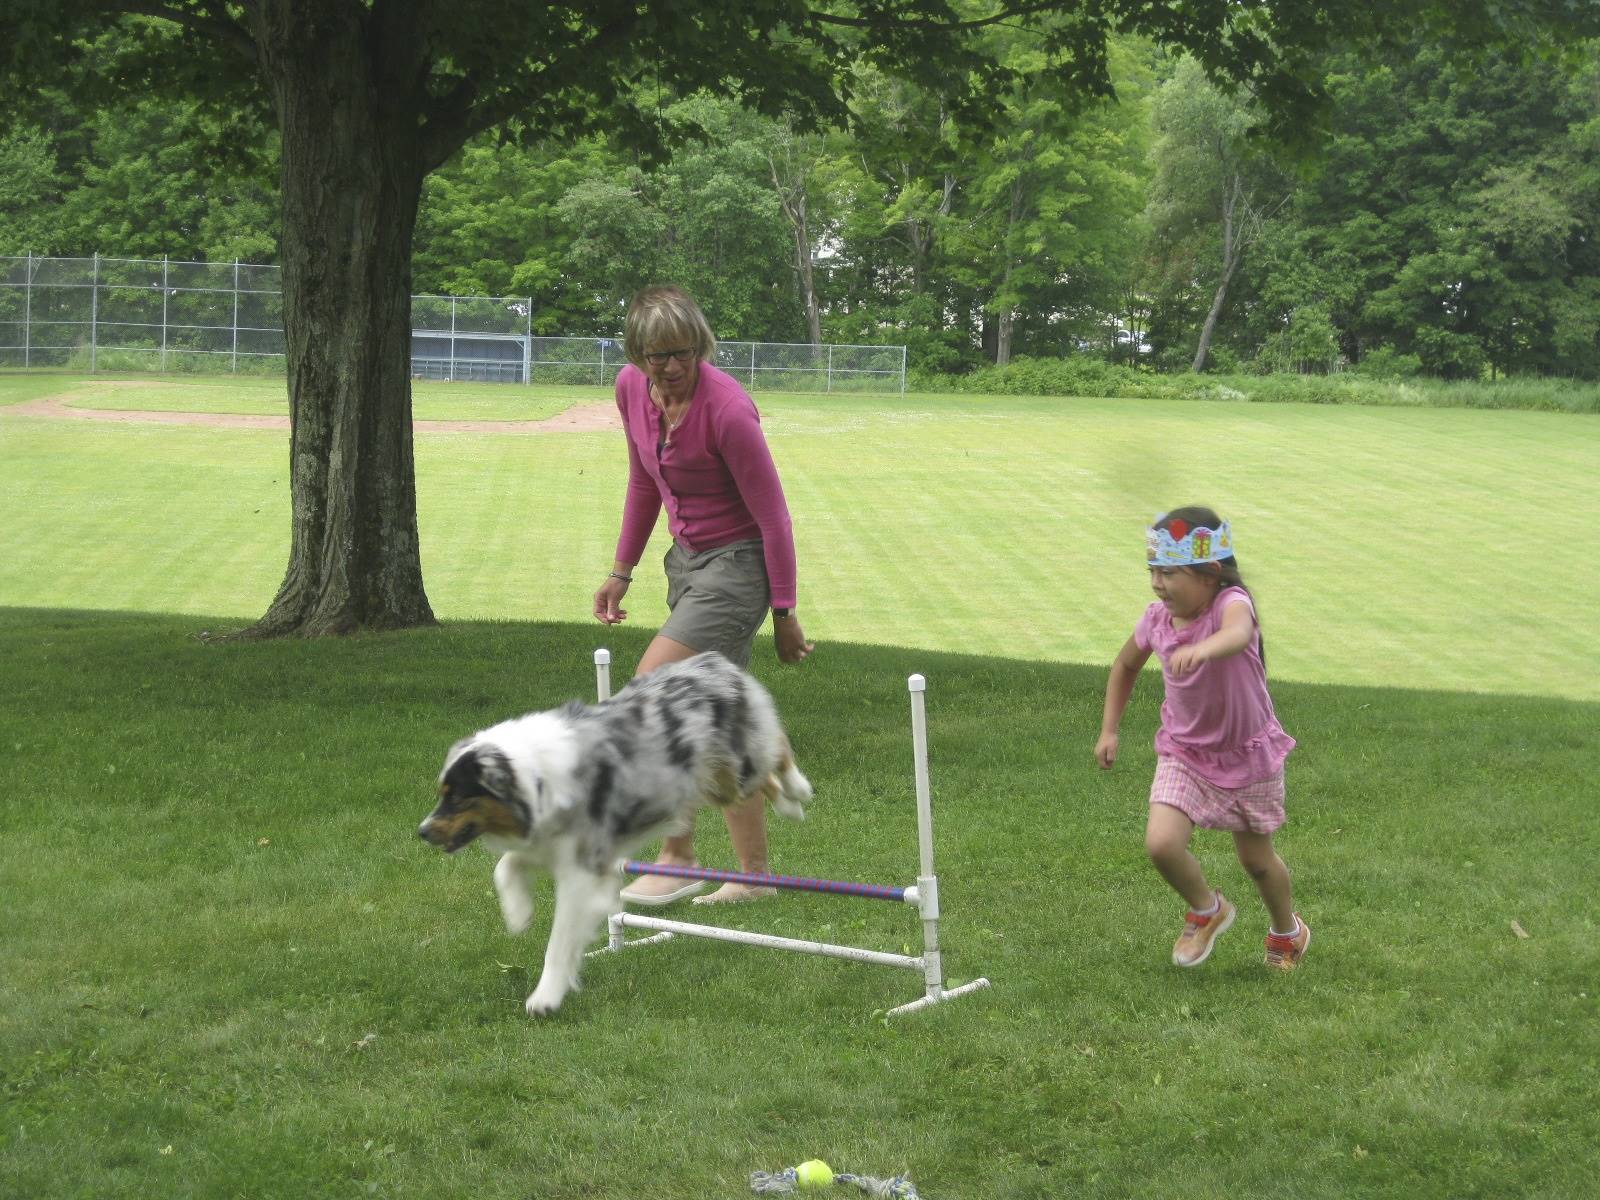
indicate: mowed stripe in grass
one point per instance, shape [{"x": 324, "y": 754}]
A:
[{"x": 1386, "y": 546}]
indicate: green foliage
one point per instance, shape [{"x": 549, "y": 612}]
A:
[
  {"x": 1385, "y": 362},
  {"x": 28, "y": 191},
  {"x": 1080, "y": 375},
  {"x": 1390, "y": 385},
  {"x": 1452, "y": 219},
  {"x": 140, "y": 182},
  {"x": 1307, "y": 344}
]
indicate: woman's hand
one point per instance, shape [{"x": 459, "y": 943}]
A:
[
  {"x": 608, "y": 608},
  {"x": 790, "y": 639},
  {"x": 1105, "y": 751}
]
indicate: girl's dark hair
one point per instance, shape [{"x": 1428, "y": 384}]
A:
[{"x": 1227, "y": 569}]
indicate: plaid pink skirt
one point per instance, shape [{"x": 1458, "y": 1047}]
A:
[{"x": 1254, "y": 808}]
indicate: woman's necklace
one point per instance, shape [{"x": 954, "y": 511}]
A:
[{"x": 672, "y": 425}]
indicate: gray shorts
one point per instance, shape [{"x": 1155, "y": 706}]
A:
[{"x": 718, "y": 597}]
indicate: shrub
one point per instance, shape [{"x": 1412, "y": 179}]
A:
[
  {"x": 1081, "y": 375},
  {"x": 1386, "y": 362}
]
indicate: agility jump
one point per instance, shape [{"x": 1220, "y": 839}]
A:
[{"x": 923, "y": 895}]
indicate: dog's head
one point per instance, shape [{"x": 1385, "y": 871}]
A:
[{"x": 478, "y": 794}]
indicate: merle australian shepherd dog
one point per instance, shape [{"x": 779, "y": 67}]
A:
[{"x": 574, "y": 790}]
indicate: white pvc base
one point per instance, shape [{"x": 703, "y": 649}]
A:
[
  {"x": 620, "y": 921},
  {"x": 666, "y": 930},
  {"x": 944, "y": 994}
]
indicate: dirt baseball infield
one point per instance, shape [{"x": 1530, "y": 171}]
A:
[{"x": 580, "y": 418}]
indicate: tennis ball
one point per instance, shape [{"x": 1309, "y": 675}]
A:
[{"x": 813, "y": 1175}]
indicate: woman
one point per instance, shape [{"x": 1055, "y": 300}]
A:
[{"x": 695, "y": 445}]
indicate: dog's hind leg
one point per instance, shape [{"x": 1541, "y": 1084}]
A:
[
  {"x": 511, "y": 885},
  {"x": 583, "y": 900}
]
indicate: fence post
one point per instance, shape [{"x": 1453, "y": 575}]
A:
[
  {"x": 94, "y": 315},
  {"x": 830, "y": 368},
  {"x": 527, "y": 348},
  {"x": 752, "y": 366},
  {"x": 27, "y": 313},
  {"x": 902, "y": 370},
  {"x": 165, "y": 292},
  {"x": 236, "y": 316},
  {"x": 451, "y": 373}
]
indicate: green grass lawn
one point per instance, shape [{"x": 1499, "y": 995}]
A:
[
  {"x": 232, "y": 969},
  {"x": 228, "y": 967}
]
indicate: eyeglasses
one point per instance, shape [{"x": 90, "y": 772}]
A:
[{"x": 658, "y": 358}]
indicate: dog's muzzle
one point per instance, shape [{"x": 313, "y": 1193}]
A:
[{"x": 448, "y": 835}]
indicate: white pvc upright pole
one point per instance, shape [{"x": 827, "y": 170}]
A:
[
  {"x": 602, "y": 674},
  {"x": 927, "y": 882}
]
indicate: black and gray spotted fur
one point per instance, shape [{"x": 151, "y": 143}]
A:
[{"x": 574, "y": 790}]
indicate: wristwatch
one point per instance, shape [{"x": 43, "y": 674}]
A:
[{"x": 783, "y": 612}]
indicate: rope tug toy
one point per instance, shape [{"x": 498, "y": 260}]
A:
[{"x": 785, "y": 1183}]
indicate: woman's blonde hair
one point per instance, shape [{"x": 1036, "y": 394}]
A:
[{"x": 666, "y": 317}]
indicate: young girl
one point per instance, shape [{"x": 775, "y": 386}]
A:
[{"x": 1220, "y": 749}]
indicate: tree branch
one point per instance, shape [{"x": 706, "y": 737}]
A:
[
  {"x": 456, "y": 118},
  {"x": 929, "y": 25},
  {"x": 210, "y": 20}
]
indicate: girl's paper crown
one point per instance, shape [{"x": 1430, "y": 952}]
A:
[{"x": 1183, "y": 545}]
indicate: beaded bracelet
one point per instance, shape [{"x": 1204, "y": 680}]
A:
[{"x": 619, "y": 575}]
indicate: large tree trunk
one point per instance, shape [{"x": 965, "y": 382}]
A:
[
  {"x": 1207, "y": 330},
  {"x": 352, "y": 181},
  {"x": 1002, "y": 350},
  {"x": 1232, "y": 252},
  {"x": 792, "y": 198}
]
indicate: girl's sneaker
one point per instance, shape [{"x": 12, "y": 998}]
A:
[
  {"x": 1201, "y": 933},
  {"x": 1285, "y": 953}
]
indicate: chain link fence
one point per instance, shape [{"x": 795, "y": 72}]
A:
[{"x": 118, "y": 314}]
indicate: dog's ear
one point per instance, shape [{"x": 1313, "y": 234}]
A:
[
  {"x": 454, "y": 752},
  {"x": 477, "y": 771}
]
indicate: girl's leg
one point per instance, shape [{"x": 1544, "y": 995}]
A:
[
  {"x": 1166, "y": 841},
  {"x": 1261, "y": 861}
]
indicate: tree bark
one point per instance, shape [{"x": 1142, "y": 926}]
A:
[
  {"x": 352, "y": 181},
  {"x": 792, "y": 198},
  {"x": 1002, "y": 351}
]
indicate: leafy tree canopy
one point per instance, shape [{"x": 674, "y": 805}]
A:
[{"x": 562, "y": 70}]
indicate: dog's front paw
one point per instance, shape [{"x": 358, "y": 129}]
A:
[{"x": 545, "y": 1000}]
